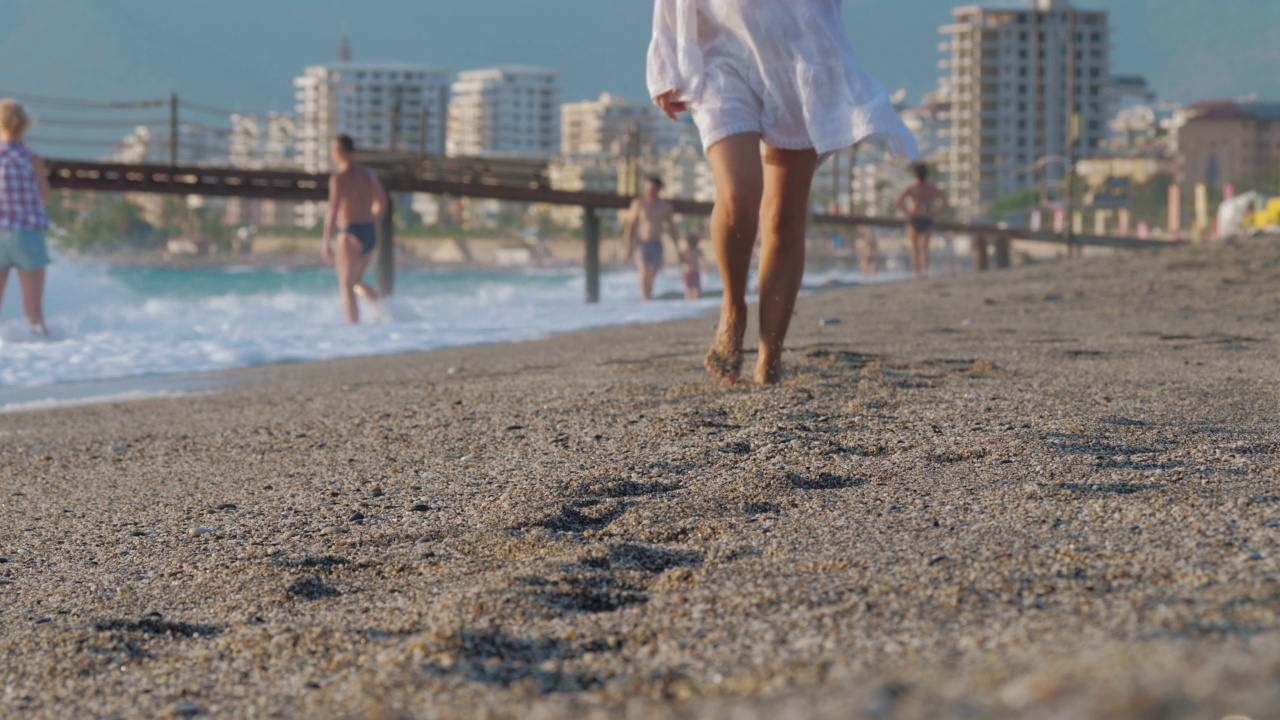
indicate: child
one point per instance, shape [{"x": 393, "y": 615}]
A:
[
  {"x": 782, "y": 73},
  {"x": 24, "y": 190},
  {"x": 691, "y": 261}
]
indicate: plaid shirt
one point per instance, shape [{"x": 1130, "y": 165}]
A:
[{"x": 20, "y": 204}]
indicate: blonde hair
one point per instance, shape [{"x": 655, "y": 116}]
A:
[{"x": 13, "y": 118}]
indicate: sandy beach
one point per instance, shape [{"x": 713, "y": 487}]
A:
[{"x": 1048, "y": 492}]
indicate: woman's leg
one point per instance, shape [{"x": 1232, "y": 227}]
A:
[
  {"x": 735, "y": 163},
  {"x": 784, "y": 214},
  {"x": 4, "y": 280},
  {"x": 32, "y": 284}
]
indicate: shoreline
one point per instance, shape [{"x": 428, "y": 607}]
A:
[
  {"x": 1047, "y": 496},
  {"x": 144, "y": 386}
]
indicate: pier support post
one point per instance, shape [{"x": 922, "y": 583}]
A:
[
  {"x": 591, "y": 233},
  {"x": 1003, "y": 253},
  {"x": 981, "y": 262},
  {"x": 386, "y": 258}
]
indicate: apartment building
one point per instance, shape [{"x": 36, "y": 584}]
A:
[
  {"x": 1028, "y": 96},
  {"x": 505, "y": 112},
  {"x": 612, "y": 126},
  {"x": 196, "y": 145},
  {"x": 1227, "y": 142},
  {"x": 381, "y": 105},
  {"x": 263, "y": 141}
]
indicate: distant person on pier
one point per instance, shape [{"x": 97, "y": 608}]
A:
[
  {"x": 782, "y": 75},
  {"x": 24, "y": 191},
  {"x": 650, "y": 217},
  {"x": 922, "y": 203},
  {"x": 357, "y": 203}
]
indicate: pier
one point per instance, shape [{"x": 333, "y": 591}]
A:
[{"x": 482, "y": 179}]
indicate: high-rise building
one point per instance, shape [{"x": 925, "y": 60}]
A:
[
  {"x": 505, "y": 112},
  {"x": 1023, "y": 81},
  {"x": 613, "y": 126},
  {"x": 381, "y": 105}
]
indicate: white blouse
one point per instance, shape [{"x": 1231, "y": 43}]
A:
[{"x": 798, "y": 50}]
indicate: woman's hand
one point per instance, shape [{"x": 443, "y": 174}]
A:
[{"x": 669, "y": 105}]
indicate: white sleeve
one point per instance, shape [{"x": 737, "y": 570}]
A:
[{"x": 675, "y": 62}]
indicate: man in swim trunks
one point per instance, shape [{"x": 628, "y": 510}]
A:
[
  {"x": 650, "y": 215},
  {"x": 357, "y": 202},
  {"x": 921, "y": 203}
]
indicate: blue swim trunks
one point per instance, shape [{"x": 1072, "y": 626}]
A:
[
  {"x": 365, "y": 233},
  {"x": 23, "y": 249},
  {"x": 651, "y": 253}
]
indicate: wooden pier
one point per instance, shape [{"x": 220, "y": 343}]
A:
[{"x": 465, "y": 179}]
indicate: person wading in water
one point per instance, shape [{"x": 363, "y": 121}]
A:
[
  {"x": 357, "y": 202},
  {"x": 922, "y": 203}
]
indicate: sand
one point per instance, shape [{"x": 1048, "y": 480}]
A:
[{"x": 1049, "y": 492}]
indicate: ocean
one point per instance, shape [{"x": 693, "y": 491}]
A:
[{"x": 133, "y": 331}]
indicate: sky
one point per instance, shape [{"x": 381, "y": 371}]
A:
[{"x": 243, "y": 54}]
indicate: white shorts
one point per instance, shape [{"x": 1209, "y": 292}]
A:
[{"x": 733, "y": 102}]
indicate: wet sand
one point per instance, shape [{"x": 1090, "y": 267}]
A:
[{"x": 1043, "y": 493}]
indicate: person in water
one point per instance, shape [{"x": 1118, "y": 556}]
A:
[
  {"x": 868, "y": 249},
  {"x": 24, "y": 191},
  {"x": 781, "y": 74},
  {"x": 922, "y": 203},
  {"x": 357, "y": 202},
  {"x": 650, "y": 216},
  {"x": 691, "y": 261}
]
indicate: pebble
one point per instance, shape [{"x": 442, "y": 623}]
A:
[
  {"x": 197, "y": 531},
  {"x": 181, "y": 710},
  {"x": 580, "y": 579},
  {"x": 332, "y": 530},
  {"x": 356, "y": 517}
]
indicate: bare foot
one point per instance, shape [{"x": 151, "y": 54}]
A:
[
  {"x": 366, "y": 292},
  {"x": 375, "y": 303},
  {"x": 724, "y": 359},
  {"x": 769, "y": 368},
  {"x": 724, "y": 365}
]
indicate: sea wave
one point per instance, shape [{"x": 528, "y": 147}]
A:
[
  {"x": 116, "y": 323},
  {"x": 112, "y": 323}
]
